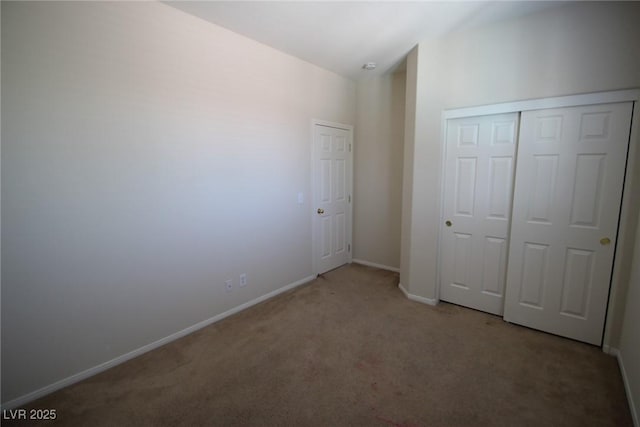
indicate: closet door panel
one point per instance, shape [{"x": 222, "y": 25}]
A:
[
  {"x": 479, "y": 163},
  {"x": 568, "y": 191}
]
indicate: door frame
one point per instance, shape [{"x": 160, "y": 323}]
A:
[
  {"x": 628, "y": 211},
  {"x": 313, "y": 192}
]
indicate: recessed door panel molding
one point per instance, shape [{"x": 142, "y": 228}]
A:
[
  {"x": 594, "y": 126},
  {"x": 494, "y": 265},
  {"x": 569, "y": 178},
  {"x": 340, "y": 232},
  {"x": 576, "y": 284},
  {"x": 340, "y": 181},
  {"x": 548, "y": 129},
  {"x": 479, "y": 163},
  {"x": 325, "y": 237},
  {"x": 534, "y": 274},
  {"x": 500, "y": 180},
  {"x": 465, "y": 185},
  {"x": 325, "y": 180},
  {"x": 503, "y": 132},
  {"x": 461, "y": 257},
  {"x": 543, "y": 187},
  {"x": 468, "y": 135},
  {"x": 587, "y": 190},
  {"x": 325, "y": 143},
  {"x": 331, "y": 210}
]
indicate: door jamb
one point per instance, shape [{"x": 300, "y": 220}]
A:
[{"x": 312, "y": 193}]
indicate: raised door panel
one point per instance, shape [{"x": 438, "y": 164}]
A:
[
  {"x": 576, "y": 282},
  {"x": 465, "y": 188},
  {"x": 534, "y": 275},
  {"x": 325, "y": 237},
  {"x": 587, "y": 190},
  {"x": 462, "y": 260},
  {"x": 500, "y": 180},
  {"x": 494, "y": 265},
  {"x": 325, "y": 181},
  {"x": 340, "y": 232},
  {"x": 541, "y": 191}
]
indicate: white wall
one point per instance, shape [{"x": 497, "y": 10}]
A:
[
  {"x": 630, "y": 338},
  {"x": 409, "y": 146},
  {"x": 421, "y": 171},
  {"x": 147, "y": 156},
  {"x": 578, "y": 48},
  {"x": 379, "y": 139}
]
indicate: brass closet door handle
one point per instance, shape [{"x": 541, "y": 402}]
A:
[
  {"x": 448, "y": 223},
  {"x": 605, "y": 241},
  {"x": 320, "y": 210}
]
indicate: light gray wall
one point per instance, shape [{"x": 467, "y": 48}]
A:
[
  {"x": 411, "y": 98},
  {"x": 578, "y": 48},
  {"x": 147, "y": 156},
  {"x": 421, "y": 181},
  {"x": 630, "y": 338},
  {"x": 379, "y": 140}
]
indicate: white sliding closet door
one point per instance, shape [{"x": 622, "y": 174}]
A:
[
  {"x": 568, "y": 189},
  {"x": 477, "y": 205}
]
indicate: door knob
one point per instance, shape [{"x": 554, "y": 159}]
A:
[
  {"x": 320, "y": 211},
  {"x": 448, "y": 223},
  {"x": 605, "y": 241}
]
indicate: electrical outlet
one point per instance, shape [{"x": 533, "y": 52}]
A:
[
  {"x": 243, "y": 279},
  {"x": 228, "y": 285}
]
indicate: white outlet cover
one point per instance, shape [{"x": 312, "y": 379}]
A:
[
  {"x": 228, "y": 285},
  {"x": 243, "y": 279}
]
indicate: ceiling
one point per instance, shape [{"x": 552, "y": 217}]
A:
[{"x": 342, "y": 36}]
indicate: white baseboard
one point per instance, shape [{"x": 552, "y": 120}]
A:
[
  {"x": 417, "y": 298},
  {"x": 627, "y": 387},
  {"x": 29, "y": 397},
  {"x": 376, "y": 265}
]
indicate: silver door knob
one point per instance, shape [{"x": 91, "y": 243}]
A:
[{"x": 320, "y": 211}]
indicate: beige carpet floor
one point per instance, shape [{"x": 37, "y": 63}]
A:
[{"x": 349, "y": 349}]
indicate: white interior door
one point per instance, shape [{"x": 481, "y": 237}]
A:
[
  {"x": 568, "y": 189},
  {"x": 479, "y": 163},
  {"x": 332, "y": 197}
]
